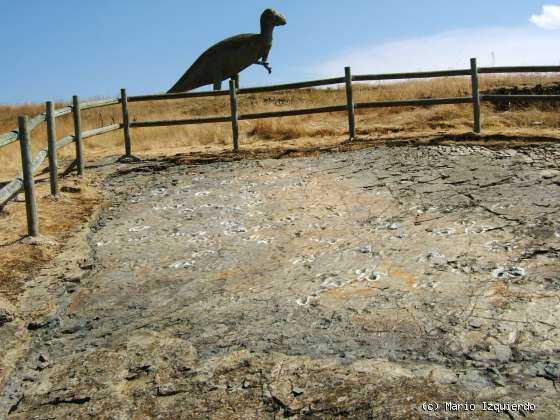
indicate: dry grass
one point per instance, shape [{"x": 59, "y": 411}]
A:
[
  {"x": 57, "y": 219},
  {"x": 387, "y": 122}
]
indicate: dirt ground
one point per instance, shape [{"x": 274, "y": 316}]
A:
[{"x": 363, "y": 283}]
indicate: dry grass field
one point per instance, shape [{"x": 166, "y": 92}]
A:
[{"x": 309, "y": 130}]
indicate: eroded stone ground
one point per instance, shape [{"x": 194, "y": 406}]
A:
[{"x": 357, "y": 284}]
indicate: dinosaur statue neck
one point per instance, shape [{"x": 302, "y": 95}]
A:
[{"x": 266, "y": 32}]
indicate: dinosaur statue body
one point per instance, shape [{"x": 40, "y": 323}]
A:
[{"x": 227, "y": 58}]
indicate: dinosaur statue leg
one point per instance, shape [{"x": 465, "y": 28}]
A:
[{"x": 216, "y": 78}]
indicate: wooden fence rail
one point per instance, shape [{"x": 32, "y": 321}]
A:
[
  {"x": 188, "y": 121},
  {"x": 171, "y": 96},
  {"x": 8, "y": 138},
  {"x": 26, "y": 126},
  {"x": 415, "y": 75},
  {"x": 519, "y": 69}
]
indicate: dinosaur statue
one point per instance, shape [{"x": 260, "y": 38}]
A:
[{"x": 227, "y": 58}]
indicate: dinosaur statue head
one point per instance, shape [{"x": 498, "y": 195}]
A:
[{"x": 271, "y": 18}]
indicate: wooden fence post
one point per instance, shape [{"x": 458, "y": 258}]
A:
[
  {"x": 78, "y": 134},
  {"x": 475, "y": 96},
  {"x": 28, "y": 182},
  {"x": 126, "y": 125},
  {"x": 350, "y": 103},
  {"x": 233, "y": 105},
  {"x": 51, "y": 135}
]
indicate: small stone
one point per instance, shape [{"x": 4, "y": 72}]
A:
[
  {"x": 7, "y": 312},
  {"x": 473, "y": 379},
  {"x": 41, "y": 323},
  {"x": 88, "y": 264},
  {"x": 43, "y": 366},
  {"x": 553, "y": 371},
  {"x": 436, "y": 259},
  {"x": 305, "y": 411},
  {"x": 297, "y": 391},
  {"x": 71, "y": 329},
  {"x": 393, "y": 226},
  {"x": 131, "y": 375},
  {"x": 497, "y": 378},
  {"x": 71, "y": 288},
  {"x": 548, "y": 370},
  {"x": 165, "y": 390},
  {"x": 365, "y": 249},
  {"x": 70, "y": 189},
  {"x": 43, "y": 357},
  {"x": 374, "y": 276},
  {"x": 475, "y": 323},
  {"x": 502, "y": 352},
  {"x": 29, "y": 377},
  {"x": 443, "y": 376},
  {"x": 246, "y": 384},
  {"x": 550, "y": 173},
  {"x": 75, "y": 277},
  {"x": 508, "y": 272}
]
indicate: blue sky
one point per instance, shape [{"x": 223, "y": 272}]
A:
[{"x": 53, "y": 49}]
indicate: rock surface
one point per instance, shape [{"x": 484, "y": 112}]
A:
[{"x": 345, "y": 285}]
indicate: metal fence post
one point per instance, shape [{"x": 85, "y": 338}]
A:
[
  {"x": 126, "y": 124},
  {"x": 51, "y": 135},
  {"x": 475, "y": 96},
  {"x": 350, "y": 103},
  {"x": 28, "y": 182},
  {"x": 78, "y": 134},
  {"x": 233, "y": 105}
]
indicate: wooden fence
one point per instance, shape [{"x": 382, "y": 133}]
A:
[{"x": 25, "y": 126}]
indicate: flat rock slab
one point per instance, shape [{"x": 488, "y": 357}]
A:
[{"x": 354, "y": 284}]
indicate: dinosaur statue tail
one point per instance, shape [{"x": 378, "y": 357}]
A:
[
  {"x": 182, "y": 85},
  {"x": 189, "y": 81}
]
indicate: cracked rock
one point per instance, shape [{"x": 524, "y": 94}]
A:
[{"x": 333, "y": 317}]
